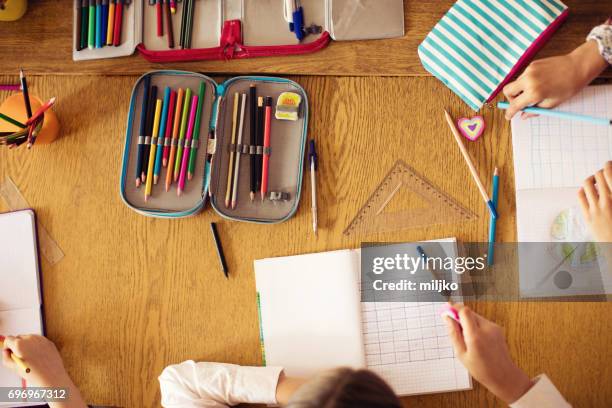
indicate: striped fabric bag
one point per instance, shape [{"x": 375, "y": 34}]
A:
[{"x": 479, "y": 45}]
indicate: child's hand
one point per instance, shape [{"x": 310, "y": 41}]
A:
[
  {"x": 550, "y": 81},
  {"x": 481, "y": 347},
  {"x": 596, "y": 202}
]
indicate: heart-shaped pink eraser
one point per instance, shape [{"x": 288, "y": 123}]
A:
[{"x": 472, "y": 128}]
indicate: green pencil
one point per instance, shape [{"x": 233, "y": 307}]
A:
[
  {"x": 12, "y": 121},
  {"x": 196, "y": 131},
  {"x": 92, "y": 25},
  {"x": 184, "y": 120}
]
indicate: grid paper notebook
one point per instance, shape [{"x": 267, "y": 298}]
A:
[
  {"x": 20, "y": 296},
  {"x": 478, "y": 43},
  {"x": 311, "y": 319}
]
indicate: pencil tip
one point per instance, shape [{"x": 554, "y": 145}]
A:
[
  {"x": 21, "y": 73},
  {"x": 167, "y": 188},
  {"x": 189, "y": 176},
  {"x": 155, "y": 178},
  {"x": 137, "y": 182},
  {"x": 227, "y": 203},
  {"x": 496, "y": 172},
  {"x": 179, "y": 192},
  {"x": 146, "y": 198},
  {"x": 165, "y": 162},
  {"x": 252, "y": 196},
  {"x": 143, "y": 177},
  {"x": 233, "y": 205}
]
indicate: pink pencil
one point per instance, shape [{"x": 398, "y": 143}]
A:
[{"x": 187, "y": 148}]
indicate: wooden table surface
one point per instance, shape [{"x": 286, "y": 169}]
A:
[
  {"x": 42, "y": 43},
  {"x": 134, "y": 294}
]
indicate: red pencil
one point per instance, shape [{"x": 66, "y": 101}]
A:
[
  {"x": 266, "y": 148},
  {"x": 168, "y": 135},
  {"x": 40, "y": 111},
  {"x": 118, "y": 23},
  {"x": 158, "y": 11}
]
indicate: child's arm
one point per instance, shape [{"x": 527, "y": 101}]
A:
[
  {"x": 481, "y": 347},
  {"x": 595, "y": 197},
  {"x": 45, "y": 364},
  {"x": 550, "y": 81}
]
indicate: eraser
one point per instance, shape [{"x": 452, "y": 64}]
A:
[
  {"x": 448, "y": 310},
  {"x": 288, "y": 106}
]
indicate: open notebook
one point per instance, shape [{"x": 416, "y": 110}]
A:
[
  {"x": 311, "y": 319},
  {"x": 552, "y": 157},
  {"x": 20, "y": 292}
]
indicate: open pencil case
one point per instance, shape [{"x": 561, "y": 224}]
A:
[
  {"x": 219, "y": 145},
  {"x": 226, "y": 29},
  {"x": 479, "y": 46}
]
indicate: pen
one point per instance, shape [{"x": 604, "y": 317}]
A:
[
  {"x": 493, "y": 221},
  {"x": 312, "y": 157},
  {"x": 213, "y": 228}
]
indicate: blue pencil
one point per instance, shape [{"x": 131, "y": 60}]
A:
[
  {"x": 160, "y": 136},
  {"x": 493, "y": 220},
  {"x": 98, "y": 24},
  {"x": 104, "y": 23},
  {"x": 561, "y": 115}
]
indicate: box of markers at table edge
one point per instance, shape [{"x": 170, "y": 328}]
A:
[
  {"x": 190, "y": 30},
  {"x": 239, "y": 144}
]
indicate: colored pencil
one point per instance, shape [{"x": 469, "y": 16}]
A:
[
  {"x": 184, "y": 122},
  {"x": 169, "y": 123},
  {"x": 104, "y": 26},
  {"x": 17, "y": 360},
  {"x": 172, "y": 6},
  {"x": 238, "y": 153},
  {"x": 265, "y": 167},
  {"x": 143, "y": 129},
  {"x": 189, "y": 29},
  {"x": 470, "y": 164},
  {"x": 259, "y": 142},
  {"x": 79, "y": 26},
  {"x": 12, "y": 121},
  {"x": 169, "y": 28},
  {"x": 196, "y": 131},
  {"x": 213, "y": 228},
  {"x": 175, "y": 133},
  {"x": 26, "y": 94},
  {"x": 149, "y": 185},
  {"x": 561, "y": 115},
  {"x": 118, "y": 22},
  {"x": 183, "y": 25},
  {"x": 41, "y": 111},
  {"x": 492, "y": 220},
  {"x": 149, "y": 131},
  {"x": 230, "y": 166},
  {"x": 161, "y": 136},
  {"x": 10, "y": 87},
  {"x": 253, "y": 132},
  {"x": 98, "y": 23},
  {"x": 91, "y": 34},
  {"x": 158, "y": 14},
  {"x": 183, "y": 173},
  {"x": 110, "y": 27}
]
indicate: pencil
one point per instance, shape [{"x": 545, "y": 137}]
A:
[
  {"x": 91, "y": 40},
  {"x": 183, "y": 25},
  {"x": 238, "y": 153},
  {"x": 184, "y": 123},
  {"x": 143, "y": 129},
  {"x": 492, "y": 220},
  {"x": 470, "y": 165},
  {"x": 84, "y": 25},
  {"x": 175, "y": 132},
  {"x": 160, "y": 136},
  {"x": 183, "y": 173},
  {"x": 118, "y": 22},
  {"x": 259, "y": 142},
  {"x": 98, "y": 23},
  {"x": 26, "y": 94},
  {"x": 220, "y": 254},
  {"x": 561, "y": 115},
  {"x": 265, "y": 167},
  {"x": 17, "y": 360},
  {"x": 172, "y": 6},
  {"x": 149, "y": 132},
  {"x": 104, "y": 27},
  {"x": 169, "y": 123},
  {"x": 189, "y": 29},
  {"x": 196, "y": 131},
  {"x": 149, "y": 185},
  {"x": 158, "y": 13},
  {"x": 169, "y": 23},
  {"x": 41, "y": 111},
  {"x": 253, "y": 132},
  {"x": 79, "y": 26},
  {"x": 230, "y": 166},
  {"x": 110, "y": 27},
  {"x": 12, "y": 121}
]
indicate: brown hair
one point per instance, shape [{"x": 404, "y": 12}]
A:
[{"x": 344, "y": 388}]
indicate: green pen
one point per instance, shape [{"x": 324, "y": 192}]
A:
[
  {"x": 92, "y": 25},
  {"x": 196, "y": 131},
  {"x": 184, "y": 120}
]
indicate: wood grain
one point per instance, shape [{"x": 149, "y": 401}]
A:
[
  {"x": 42, "y": 43},
  {"x": 134, "y": 294}
]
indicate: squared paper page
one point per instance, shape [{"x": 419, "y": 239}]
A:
[
  {"x": 18, "y": 261},
  {"x": 14, "y": 322},
  {"x": 407, "y": 344},
  {"x": 556, "y": 153},
  {"x": 309, "y": 311}
]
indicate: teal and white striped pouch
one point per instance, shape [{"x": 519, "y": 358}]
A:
[{"x": 479, "y": 45}]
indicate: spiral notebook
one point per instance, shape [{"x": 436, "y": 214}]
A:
[
  {"x": 20, "y": 291},
  {"x": 311, "y": 319}
]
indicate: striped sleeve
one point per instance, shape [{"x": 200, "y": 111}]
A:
[{"x": 603, "y": 36}]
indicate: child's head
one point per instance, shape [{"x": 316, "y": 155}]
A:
[{"x": 344, "y": 388}]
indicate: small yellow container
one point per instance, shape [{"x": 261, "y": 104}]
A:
[{"x": 11, "y": 10}]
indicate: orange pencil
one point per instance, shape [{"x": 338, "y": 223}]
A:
[{"x": 175, "y": 132}]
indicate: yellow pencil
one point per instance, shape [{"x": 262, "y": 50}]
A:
[
  {"x": 230, "y": 169},
  {"x": 17, "y": 360},
  {"x": 111, "y": 23},
  {"x": 153, "y": 151}
]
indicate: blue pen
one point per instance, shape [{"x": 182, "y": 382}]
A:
[
  {"x": 492, "y": 220},
  {"x": 160, "y": 136},
  {"x": 98, "y": 23},
  {"x": 560, "y": 115}
]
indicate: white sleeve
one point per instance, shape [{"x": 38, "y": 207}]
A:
[
  {"x": 543, "y": 394},
  {"x": 217, "y": 385}
]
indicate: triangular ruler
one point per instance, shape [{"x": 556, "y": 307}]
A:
[{"x": 372, "y": 217}]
